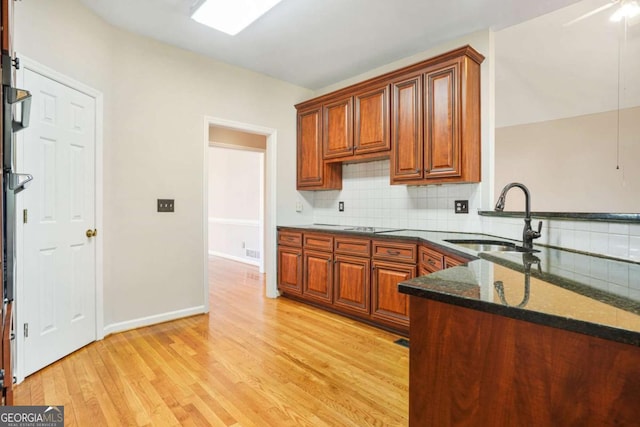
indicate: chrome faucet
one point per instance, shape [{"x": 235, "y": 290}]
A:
[{"x": 527, "y": 234}]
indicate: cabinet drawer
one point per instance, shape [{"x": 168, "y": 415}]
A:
[
  {"x": 453, "y": 262},
  {"x": 431, "y": 259},
  {"x": 290, "y": 238},
  {"x": 352, "y": 246},
  {"x": 322, "y": 242},
  {"x": 395, "y": 251}
]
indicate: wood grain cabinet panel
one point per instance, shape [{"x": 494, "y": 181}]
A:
[
  {"x": 372, "y": 121},
  {"x": 318, "y": 276},
  {"x": 387, "y": 303},
  {"x": 430, "y": 259},
  {"x": 395, "y": 251},
  {"x": 338, "y": 128},
  {"x": 352, "y": 246},
  {"x": 290, "y": 238},
  {"x": 351, "y": 284},
  {"x": 320, "y": 241},
  {"x": 473, "y": 368},
  {"x": 443, "y": 145},
  {"x": 453, "y": 262},
  {"x": 442, "y": 119},
  {"x": 290, "y": 269},
  {"x": 312, "y": 172},
  {"x": 406, "y": 130}
]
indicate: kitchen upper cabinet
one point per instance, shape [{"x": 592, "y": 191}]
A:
[
  {"x": 357, "y": 126},
  {"x": 338, "y": 128},
  {"x": 425, "y": 117},
  {"x": 442, "y": 140},
  {"x": 372, "y": 121},
  {"x": 406, "y": 129},
  {"x": 443, "y": 145},
  {"x": 312, "y": 172}
]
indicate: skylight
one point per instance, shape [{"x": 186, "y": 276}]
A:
[{"x": 231, "y": 16}]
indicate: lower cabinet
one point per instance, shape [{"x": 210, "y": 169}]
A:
[
  {"x": 389, "y": 305},
  {"x": 290, "y": 269},
  {"x": 318, "y": 276},
  {"x": 351, "y": 285},
  {"x": 355, "y": 276}
]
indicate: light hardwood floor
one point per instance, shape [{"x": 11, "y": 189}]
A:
[{"x": 252, "y": 361}]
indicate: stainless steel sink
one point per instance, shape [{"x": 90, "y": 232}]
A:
[{"x": 488, "y": 245}]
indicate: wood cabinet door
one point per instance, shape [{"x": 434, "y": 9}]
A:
[
  {"x": 351, "y": 284},
  {"x": 442, "y": 140},
  {"x": 338, "y": 128},
  {"x": 290, "y": 269},
  {"x": 372, "y": 121},
  {"x": 386, "y": 302},
  {"x": 406, "y": 130},
  {"x": 318, "y": 276},
  {"x": 310, "y": 148}
]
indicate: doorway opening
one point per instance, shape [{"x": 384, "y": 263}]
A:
[
  {"x": 236, "y": 195},
  {"x": 216, "y": 131}
]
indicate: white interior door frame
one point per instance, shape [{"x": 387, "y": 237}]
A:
[
  {"x": 29, "y": 64},
  {"x": 269, "y": 221}
]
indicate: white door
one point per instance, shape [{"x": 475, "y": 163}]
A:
[{"x": 59, "y": 260}]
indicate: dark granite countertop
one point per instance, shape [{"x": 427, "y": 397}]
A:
[
  {"x": 568, "y": 290},
  {"x": 630, "y": 218}
]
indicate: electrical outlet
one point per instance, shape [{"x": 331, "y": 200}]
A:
[
  {"x": 166, "y": 205},
  {"x": 461, "y": 206},
  {"x": 340, "y": 206},
  {"x": 298, "y": 206}
]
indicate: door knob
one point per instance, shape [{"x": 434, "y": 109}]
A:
[{"x": 91, "y": 233}]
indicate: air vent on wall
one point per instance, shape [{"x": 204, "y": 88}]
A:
[{"x": 250, "y": 253}]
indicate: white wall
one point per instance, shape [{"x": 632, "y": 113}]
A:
[
  {"x": 235, "y": 182},
  {"x": 567, "y": 99},
  {"x": 156, "y": 98}
]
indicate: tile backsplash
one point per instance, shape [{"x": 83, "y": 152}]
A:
[
  {"x": 370, "y": 200},
  {"x": 616, "y": 240}
]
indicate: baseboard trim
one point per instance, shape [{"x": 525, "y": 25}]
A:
[
  {"x": 234, "y": 258},
  {"x": 152, "y": 320}
]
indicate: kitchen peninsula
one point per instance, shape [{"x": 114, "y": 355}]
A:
[{"x": 528, "y": 348}]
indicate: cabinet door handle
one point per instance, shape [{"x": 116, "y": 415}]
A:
[
  {"x": 290, "y": 239},
  {"x": 390, "y": 252},
  {"x": 431, "y": 262}
]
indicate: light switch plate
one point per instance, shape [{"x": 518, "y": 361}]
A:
[
  {"x": 298, "y": 206},
  {"x": 166, "y": 205}
]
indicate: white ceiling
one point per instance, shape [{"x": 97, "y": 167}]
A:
[{"x": 315, "y": 43}]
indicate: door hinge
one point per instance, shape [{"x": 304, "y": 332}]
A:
[
  {"x": 26, "y": 330},
  {"x": 25, "y": 216}
]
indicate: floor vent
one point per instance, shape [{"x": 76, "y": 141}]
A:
[{"x": 403, "y": 342}]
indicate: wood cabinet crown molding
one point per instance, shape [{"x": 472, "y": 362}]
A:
[{"x": 382, "y": 79}]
